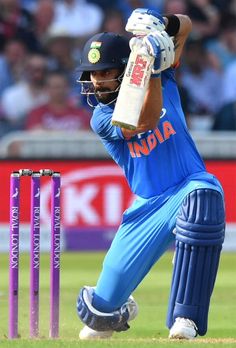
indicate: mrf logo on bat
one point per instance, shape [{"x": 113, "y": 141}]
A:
[
  {"x": 132, "y": 89},
  {"x": 137, "y": 71}
]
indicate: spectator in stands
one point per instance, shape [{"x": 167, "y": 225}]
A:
[
  {"x": 205, "y": 18},
  {"x": 225, "y": 119},
  {"x": 78, "y": 17},
  {"x": 232, "y": 6},
  {"x": 156, "y": 4},
  {"x": 127, "y": 6},
  {"x": 202, "y": 83},
  {"x": 175, "y": 6},
  {"x": 44, "y": 14},
  {"x": 29, "y": 5},
  {"x": 59, "y": 113},
  {"x": 16, "y": 21},
  {"x": 222, "y": 49},
  {"x": 105, "y": 4},
  {"x": 223, "y": 5},
  {"x": 12, "y": 63},
  {"x": 59, "y": 45},
  {"x": 229, "y": 83},
  {"x": 62, "y": 54},
  {"x": 19, "y": 99},
  {"x": 114, "y": 22},
  {"x": 184, "y": 96}
]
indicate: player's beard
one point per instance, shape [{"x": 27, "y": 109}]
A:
[
  {"x": 106, "y": 98},
  {"x": 105, "y": 95}
]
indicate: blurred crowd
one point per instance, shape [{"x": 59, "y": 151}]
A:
[{"x": 41, "y": 43}]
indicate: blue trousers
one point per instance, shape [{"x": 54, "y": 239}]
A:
[{"x": 144, "y": 235}]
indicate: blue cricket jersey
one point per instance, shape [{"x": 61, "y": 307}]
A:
[{"x": 156, "y": 160}]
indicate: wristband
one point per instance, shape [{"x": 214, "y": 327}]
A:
[
  {"x": 173, "y": 25},
  {"x": 153, "y": 76}
]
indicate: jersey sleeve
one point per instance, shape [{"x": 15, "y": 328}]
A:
[
  {"x": 168, "y": 74},
  {"x": 101, "y": 125}
]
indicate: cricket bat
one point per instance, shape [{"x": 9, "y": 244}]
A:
[{"x": 132, "y": 90}]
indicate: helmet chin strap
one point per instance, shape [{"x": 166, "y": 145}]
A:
[
  {"x": 90, "y": 102},
  {"x": 88, "y": 93}
]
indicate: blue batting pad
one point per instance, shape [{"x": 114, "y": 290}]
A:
[{"x": 199, "y": 237}]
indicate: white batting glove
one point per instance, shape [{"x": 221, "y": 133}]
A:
[
  {"x": 161, "y": 47},
  {"x": 143, "y": 21},
  {"x": 135, "y": 43},
  {"x": 158, "y": 45}
]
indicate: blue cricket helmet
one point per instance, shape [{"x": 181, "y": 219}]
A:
[{"x": 105, "y": 50}]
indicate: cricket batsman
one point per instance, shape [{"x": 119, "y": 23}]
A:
[{"x": 177, "y": 199}]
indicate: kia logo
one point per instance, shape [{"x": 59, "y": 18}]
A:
[{"x": 92, "y": 196}]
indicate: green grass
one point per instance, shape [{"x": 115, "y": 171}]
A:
[{"x": 148, "y": 330}]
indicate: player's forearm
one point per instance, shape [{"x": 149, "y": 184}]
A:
[{"x": 185, "y": 27}]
